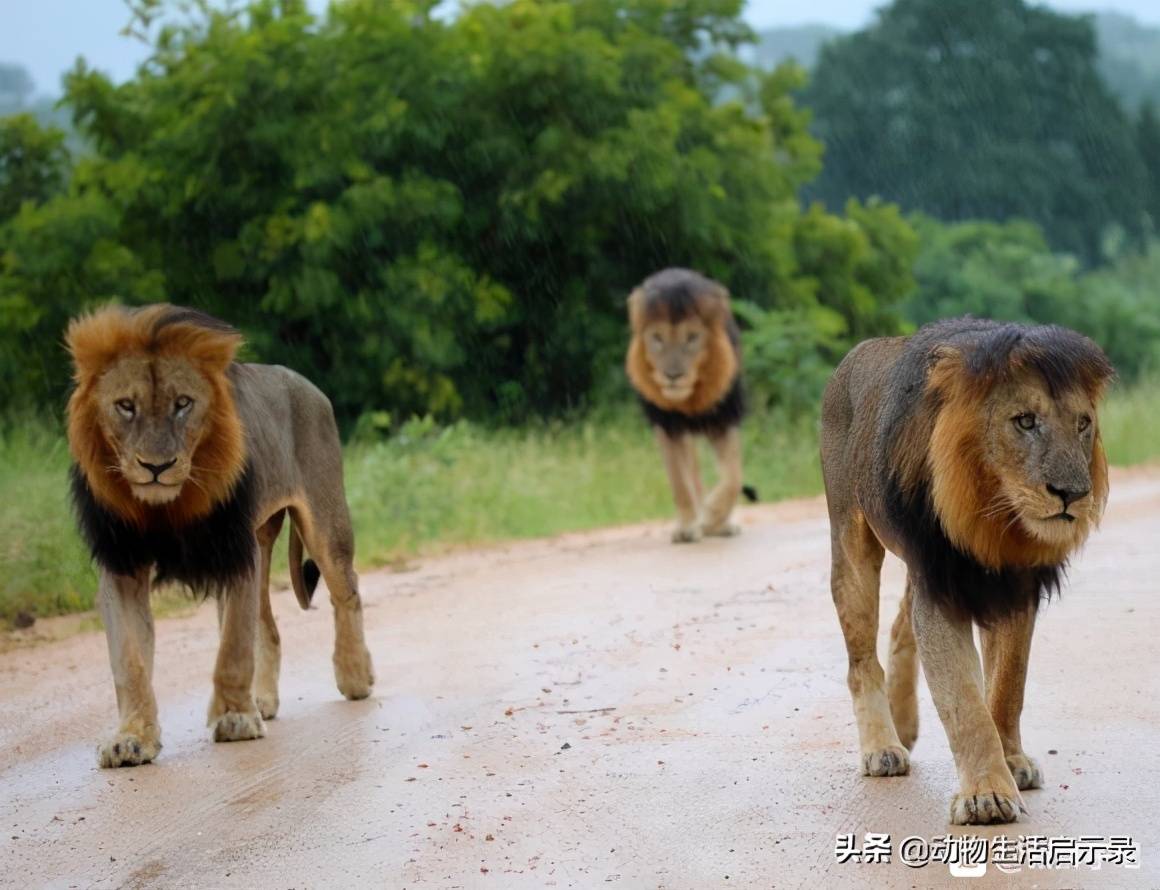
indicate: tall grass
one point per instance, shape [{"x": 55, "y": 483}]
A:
[
  {"x": 429, "y": 488},
  {"x": 44, "y": 568},
  {"x": 1130, "y": 423}
]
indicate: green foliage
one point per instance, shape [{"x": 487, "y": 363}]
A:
[
  {"x": 439, "y": 217},
  {"x": 448, "y": 485},
  {"x": 1007, "y": 272},
  {"x": 1148, "y": 139},
  {"x": 33, "y": 162},
  {"x": 46, "y": 568},
  {"x": 979, "y": 109},
  {"x": 463, "y": 484},
  {"x": 856, "y": 268}
]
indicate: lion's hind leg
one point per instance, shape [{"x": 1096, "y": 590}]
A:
[
  {"x": 233, "y": 713},
  {"x": 856, "y": 565},
  {"x": 902, "y": 674},
  {"x": 721, "y": 500},
  {"x": 269, "y": 651},
  {"x": 330, "y": 541}
]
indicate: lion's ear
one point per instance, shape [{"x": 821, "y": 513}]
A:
[
  {"x": 217, "y": 350},
  {"x": 95, "y": 340},
  {"x": 713, "y": 304},
  {"x": 636, "y": 309},
  {"x": 944, "y": 368},
  {"x": 209, "y": 343}
]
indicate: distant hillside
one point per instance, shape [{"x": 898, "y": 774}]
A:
[
  {"x": 801, "y": 44},
  {"x": 1129, "y": 53},
  {"x": 1129, "y": 57}
]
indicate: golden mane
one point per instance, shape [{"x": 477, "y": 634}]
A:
[
  {"x": 962, "y": 487},
  {"x": 719, "y": 368},
  {"x": 102, "y": 338}
]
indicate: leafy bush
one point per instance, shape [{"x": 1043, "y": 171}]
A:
[{"x": 432, "y": 217}]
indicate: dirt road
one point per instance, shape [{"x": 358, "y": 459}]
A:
[{"x": 601, "y": 709}]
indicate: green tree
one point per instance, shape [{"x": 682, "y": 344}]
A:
[
  {"x": 979, "y": 109},
  {"x": 1148, "y": 139},
  {"x": 33, "y": 163},
  {"x": 1007, "y": 271},
  {"x": 432, "y": 216}
]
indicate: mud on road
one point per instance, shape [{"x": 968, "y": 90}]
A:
[{"x": 595, "y": 710}]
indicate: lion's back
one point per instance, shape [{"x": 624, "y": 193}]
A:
[{"x": 289, "y": 422}]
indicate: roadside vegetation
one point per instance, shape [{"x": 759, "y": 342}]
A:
[{"x": 428, "y": 488}]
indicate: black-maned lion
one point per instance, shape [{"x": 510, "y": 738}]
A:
[
  {"x": 972, "y": 451},
  {"x": 684, "y": 361},
  {"x": 185, "y": 465}
]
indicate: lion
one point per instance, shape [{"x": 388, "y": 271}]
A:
[
  {"x": 972, "y": 451},
  {"x": 684, "y": 361},
  {"x": 185, "y": 464}
]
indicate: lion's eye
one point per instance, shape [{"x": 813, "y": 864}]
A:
[
  {"x": 182, "y": 403},
  {"x": 693, "y": 338},
  {"x": 1084, "y": 423},
  {"x": 126, "y": 408},
  {"x": 1025, "y": 421}
]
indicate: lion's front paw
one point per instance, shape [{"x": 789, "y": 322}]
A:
[
  {"x": 238, "y": 726},
  {"x": 127, "y": 749},
  {"x": 686, "y": 534},
  {"x": 1025, "y": 772},
  {"x": 723, "y": 530},
  {"x": 985, "y": 805},
  {"x": 891, "y": 761},
  {"x": 354, "y": 673}
]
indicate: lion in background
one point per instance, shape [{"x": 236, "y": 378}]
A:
[
  {"x": 185, "y": 466},
  {"x": 972, "y": 451},
  {"x": 684, "y": 361}
]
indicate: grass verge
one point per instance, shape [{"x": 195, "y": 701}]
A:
[{"x": 429, "y": 488}]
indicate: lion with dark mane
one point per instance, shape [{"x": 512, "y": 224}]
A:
[
  {"x": 186, "y": 463},
  {"x": 684, "y": 361},
  {"x": 972, "y": 451}
]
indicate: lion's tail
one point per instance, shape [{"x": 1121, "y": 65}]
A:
[{"x": 303, "y": 574}]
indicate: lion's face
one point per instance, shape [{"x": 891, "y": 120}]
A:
[
  {"x": 675, "y": 352},
  {"x": 153, "y": 413},
  {"x": 152, "y": 423},
  {"x": 681, "y": 356},
  {"x": 1040, "y": 450},
  {"x": 1018, "y": 473}
]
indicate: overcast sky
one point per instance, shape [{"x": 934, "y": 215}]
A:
[{"x": 46, "y": 36}]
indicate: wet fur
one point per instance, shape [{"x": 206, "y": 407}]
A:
[
  {"x": 717, "y": 400},
  {"x": 268, "y": 446},
  {"x": 207, "y": 555},
  {"x": 907, "y": 469},
  {"x": 714, "y": 406},
  {"x": 96, "y": 342},
  {"x": 930, "y": 489}
]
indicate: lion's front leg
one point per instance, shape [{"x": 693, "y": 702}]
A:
[
  {"x": 987, "y": 791},
  {"x": 233, "y": 712},
  {"x": 1006, "y": 652},
  {"x": 124, "y": 605},
  {"x": 680, "y": 459}
]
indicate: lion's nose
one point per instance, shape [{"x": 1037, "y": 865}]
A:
[
  {"x": 157, "y": 469},
  {"x": 1068, "y": 495},
  {"x": 674, "y": 376}
]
